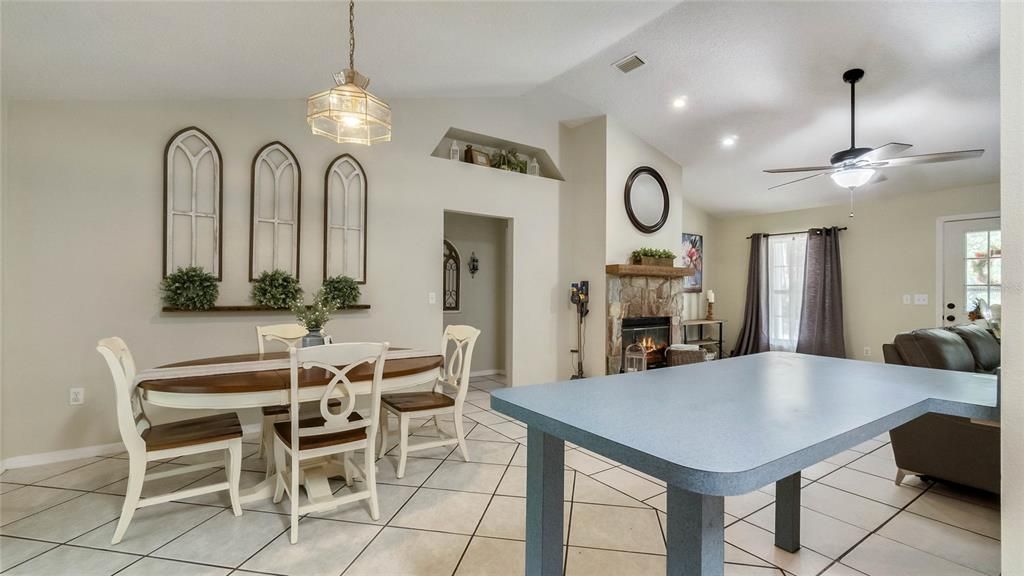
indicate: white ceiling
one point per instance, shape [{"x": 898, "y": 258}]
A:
[
  {"x": 767, "y": 72},
  {"x": 196, "y": 50},
  {"x": 771, "y": 73}
]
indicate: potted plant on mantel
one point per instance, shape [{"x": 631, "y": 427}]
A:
[{"x": 653, "y": 257}]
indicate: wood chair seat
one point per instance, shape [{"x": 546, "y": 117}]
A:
[
  {"x": 283, "y": 409},
  {"x": 192, "y": 432},
  {"x": 284, "y": 432},
  {"x": 416, "y": 401}
]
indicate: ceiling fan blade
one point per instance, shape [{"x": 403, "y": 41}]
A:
[
  {"x": 887, "y": 151},
  {"x": 801, "y": 169},
  {"x": 927, "y": 158},
  {"x": 799, "y": 180}
]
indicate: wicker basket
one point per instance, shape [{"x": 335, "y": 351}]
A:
[{"x": 680, "y": 357}]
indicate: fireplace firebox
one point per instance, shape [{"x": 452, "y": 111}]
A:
[{"x": 653, "y": 333}]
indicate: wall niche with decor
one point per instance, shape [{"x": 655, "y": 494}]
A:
[{"x": 492, "y": 152}]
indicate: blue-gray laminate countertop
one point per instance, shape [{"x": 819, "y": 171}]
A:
[{"x": 731, "y": 426}]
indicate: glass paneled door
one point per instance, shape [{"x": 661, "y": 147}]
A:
[{"x": 971, "y": 267}]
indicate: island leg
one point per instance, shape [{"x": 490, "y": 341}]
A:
[
  {"x": 787, "y": 513},
  {"x": 545, "y": 488},
  {"x": 696, "y": 533}
]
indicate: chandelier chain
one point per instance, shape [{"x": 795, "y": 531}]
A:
[{"x": 352, "y": 34}]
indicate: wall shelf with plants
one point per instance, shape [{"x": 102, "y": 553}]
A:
[
  {"x": 495, "y": 153},
  {"x": 193, "y": 289}
]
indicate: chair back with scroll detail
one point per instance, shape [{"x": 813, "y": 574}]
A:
[
  {"x": 288, "y": 334},
  {"x": 338, "y": 431},
  {"x": 457, "y": 345},
  {"x": 131, "y": 417}
]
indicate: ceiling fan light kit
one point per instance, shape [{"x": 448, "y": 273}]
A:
[
  {"x": 855, "y": 167},
  {"x": 348, "y": 113}
]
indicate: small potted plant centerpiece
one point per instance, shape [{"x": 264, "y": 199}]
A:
[
  {"x": 653, "y": 257},
  {"x": 314, "y": 317}
]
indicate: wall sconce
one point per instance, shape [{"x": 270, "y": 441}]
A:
[{"x": 474, "y": 264}]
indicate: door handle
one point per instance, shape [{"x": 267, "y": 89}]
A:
[
  {"x": 950, "y": 305},
  {"x": 950, "y": 318}
]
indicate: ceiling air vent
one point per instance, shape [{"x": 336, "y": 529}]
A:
[{"x": 629, "y": 63}]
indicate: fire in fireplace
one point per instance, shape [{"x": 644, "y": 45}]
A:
[{"x": 653, "y": 333}]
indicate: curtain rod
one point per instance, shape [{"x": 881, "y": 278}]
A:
[{"x": 789, "y": 233}]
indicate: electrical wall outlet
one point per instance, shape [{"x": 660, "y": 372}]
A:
[
  {"x": 867, "y": 351},
  {"x": 907, "y": 299},
  {"x": 76, "y": 396},
  {"x": 432, "y": 298},
  {"x": 921, "y": 299}
]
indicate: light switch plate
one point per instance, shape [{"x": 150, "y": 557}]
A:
[
  {"x": 432, "y": 298},
  {"x": 907, "y": 299},
  {"x": 76, "y": 396},
  {"x": 920, "y": 299}
]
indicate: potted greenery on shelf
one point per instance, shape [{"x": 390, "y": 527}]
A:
[
  {"x": 653, "y": 257},
  {"x": 190, "y": 288},
  {"x": 314, "y": 317},
  {"x": 341, "y": 290},
  {"x": 276, "y": 289},
  {"x": 508, "y": 160}
]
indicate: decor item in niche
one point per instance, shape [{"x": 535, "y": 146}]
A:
[
  {"x": 467, "y": 156},
  {"x": 478, "y": 157},
  {"x": 693, "y": 257},
  {"x": 652, "y": 257},
  {"x": 314, "y": 317},
  {"x": 474, "y": 264},
  {"x": 711, "y": 305},
  {"x": 345, "y": 216},
  {"x": 453, "y": 151},
  {"x": 190, "y": 288},
  {"x": 342, "y": 291},
  {"x": 275, "y": 206},
  {"x": 193, "y": 196},
  {"x": 276, "y": 289},
  {"x": 451, "y": 273},
  {"x": 348, "y": 113},
  {"x": 646, "y": 197},
  {"x": 533, "y": 167},
  {"x": 508, "y": 160}
]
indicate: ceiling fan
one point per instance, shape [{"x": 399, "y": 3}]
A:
[{"x": 855, "y": 166}]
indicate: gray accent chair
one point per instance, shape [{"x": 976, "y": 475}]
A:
[{"x": 947, "y": 447}]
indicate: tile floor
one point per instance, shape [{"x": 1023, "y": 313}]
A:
[{"x": 449, "y": 517}]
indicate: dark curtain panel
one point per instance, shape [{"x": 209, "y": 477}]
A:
[
  {"x": 754, "y": 335},
  {"x": 821, "y": 320}
]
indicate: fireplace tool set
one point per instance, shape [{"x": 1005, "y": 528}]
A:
[{"x": 579, "y": 295}]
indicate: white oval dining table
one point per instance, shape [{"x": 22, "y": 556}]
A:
[{"x": 256, "y": 380}]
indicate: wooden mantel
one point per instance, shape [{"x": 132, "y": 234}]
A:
[{"x": 638, "y": 270}]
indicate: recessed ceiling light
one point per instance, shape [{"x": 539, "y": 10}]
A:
[
  {"x": 729, "y": 141},
  {"x": 679, "y": 102}
]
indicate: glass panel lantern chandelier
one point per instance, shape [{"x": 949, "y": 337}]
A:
[{"x": 347, "y": 112}]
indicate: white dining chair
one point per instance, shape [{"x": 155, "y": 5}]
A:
[
  {"x": 331, "y": 433},
  {"x": 291, "y": 336},
  {"x": 454, "y": 378},
  {"x": 146, "y": 442}
]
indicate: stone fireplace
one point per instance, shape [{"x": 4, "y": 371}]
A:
[{"x": 638, "y": 292}]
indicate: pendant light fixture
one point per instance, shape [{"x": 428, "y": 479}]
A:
[{"x": 348, "y": 113}]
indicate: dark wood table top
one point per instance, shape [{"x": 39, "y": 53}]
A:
[{"x": 266, "y": 380}]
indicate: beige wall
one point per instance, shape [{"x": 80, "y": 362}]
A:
[
  {"x": 888, "y": 251},
  {"x": 625, "y": 153},
  {"x": 82, "y": 238},
  {"x": 582, "y": 240},
  {"x": 597, "y": 158},
  {"x": 1012, "y": 411},
  {"x": 482, "y": 297}
]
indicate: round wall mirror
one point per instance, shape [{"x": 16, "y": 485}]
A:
[{"x": 646, "y": 199}]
